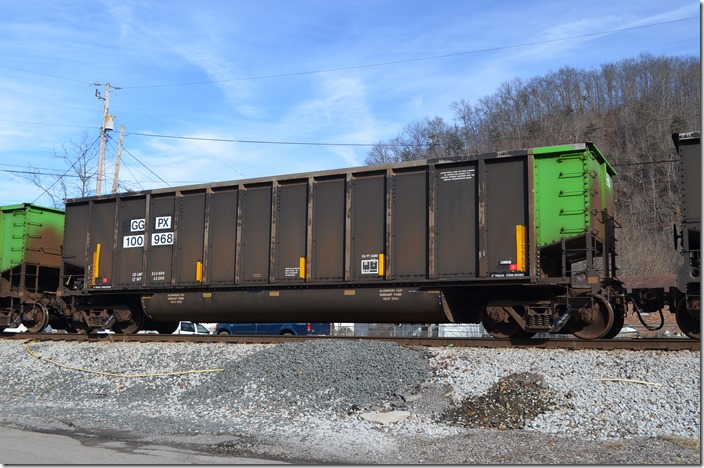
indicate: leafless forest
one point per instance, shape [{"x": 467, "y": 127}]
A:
[{"x": 629, "y": 109}]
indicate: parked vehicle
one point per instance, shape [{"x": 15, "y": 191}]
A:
[
  {"x": 628, "y": 332},
  {"x": 302, "y": 328},
  {"x": 191, "y": 328},
  {"x": 18, "y": 329}
]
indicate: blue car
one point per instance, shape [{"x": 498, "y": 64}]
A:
[{"x": 304, "y": 328}]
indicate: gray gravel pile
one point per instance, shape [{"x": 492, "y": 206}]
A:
[
  {"x": 317, "y": 376},
  {"x": 305, "y": 402}
]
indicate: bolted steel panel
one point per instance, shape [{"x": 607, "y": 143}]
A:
[
  {"x": 31, "y": 234},
  {"x": 329, "y": 218},
  {"x": 101, "y": 248},
  {"x": 159, "y": 240},
  {"x": 291, "y": 226},
  {"x": 189, "y": 227},
  {"x": 76, "y": 237},
  {"x": 506, "y": 207},
  {"x": 132, "y": 226},
  {"x": 222, "y": 237},
  {"x": 256, "y": 234},
  {"x": 573, "y": 187},
  {"x": 456, "y": 220},
  {"x": 368, "y": 226},
  {"x": 409, "y": 220},
  {"x": 690, "y": 171}
]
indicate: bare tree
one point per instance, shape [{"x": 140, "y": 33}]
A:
[
  {"x": 78, "y": 180},
  {"x": 422, "y": 139}
]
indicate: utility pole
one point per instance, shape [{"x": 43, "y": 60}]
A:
[
  {"x": 108, "y": 124},
  {"x": 117, "y": 159}
]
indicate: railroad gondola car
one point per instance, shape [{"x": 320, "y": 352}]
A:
[
  {"x": 30, "y": 265},
  {"x": 682, "y": 298},
  {"x": 521, "y": 241},
  {"x": 687, "y": 308}
]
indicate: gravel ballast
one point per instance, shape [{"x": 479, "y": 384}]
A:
[{"x": 322, "y": 401}]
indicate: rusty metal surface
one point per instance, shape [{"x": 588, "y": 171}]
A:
[{"x": 654, "y": 344}]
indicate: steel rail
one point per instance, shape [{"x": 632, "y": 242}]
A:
[{"x": 652, "y": 344}]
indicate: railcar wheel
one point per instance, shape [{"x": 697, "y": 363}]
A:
[
  {"x": 499, "y": 323},
  {"x": 35, "y": 318},
  {"x": 591, "y": 323},
  {"x": 689, "y": 325},
  {"x": 128, "y": 321},
  {"x": 617, "y": 326}
]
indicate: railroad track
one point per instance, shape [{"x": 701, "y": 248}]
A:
[{"x": 664, "y": 344}]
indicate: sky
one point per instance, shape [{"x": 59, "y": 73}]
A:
[{"x": 217, "y": 90}]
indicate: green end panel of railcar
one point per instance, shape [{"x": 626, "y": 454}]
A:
[
  {"x": 573, "y": 187},
  {"x": 31, "y": 234}
]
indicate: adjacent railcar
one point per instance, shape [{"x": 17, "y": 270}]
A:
[
  {"x": 682, "y": 294},
  {"x": 687, "y": 308},
  {"x": 30, "y": 263},
  {"x": 521, "y": 241}
]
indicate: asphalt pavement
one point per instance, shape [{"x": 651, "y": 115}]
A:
[{"x": 21, "y": 447}]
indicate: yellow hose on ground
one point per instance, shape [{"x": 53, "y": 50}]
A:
[
  {"x": 643, "y": 382},
  {"x": 110, "y": 374}
]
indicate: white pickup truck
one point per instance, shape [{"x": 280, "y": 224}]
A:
[{"x": 191, "y": 328}]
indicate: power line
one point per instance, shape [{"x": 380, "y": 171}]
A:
[
  {"x": 202, "y": 149},
  {"x": 146, "y": 167},
  {"x": 45, "y": 74},
  {"x": 417, "y": 59},
  {"x": 14, "y": 171},
  {"x": 266, "y": 142},
  {"x": 46, "y": 190},
  {"x": 646, "y": 162},
  {"x": 276, "y": 142},
  {"x": 24, "y": 166},
  {"x": 371, "y": 65},
  {"x": 45, "y": 124}
]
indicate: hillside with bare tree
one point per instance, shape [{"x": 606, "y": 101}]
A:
[{"x": 629, "y": 109}]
